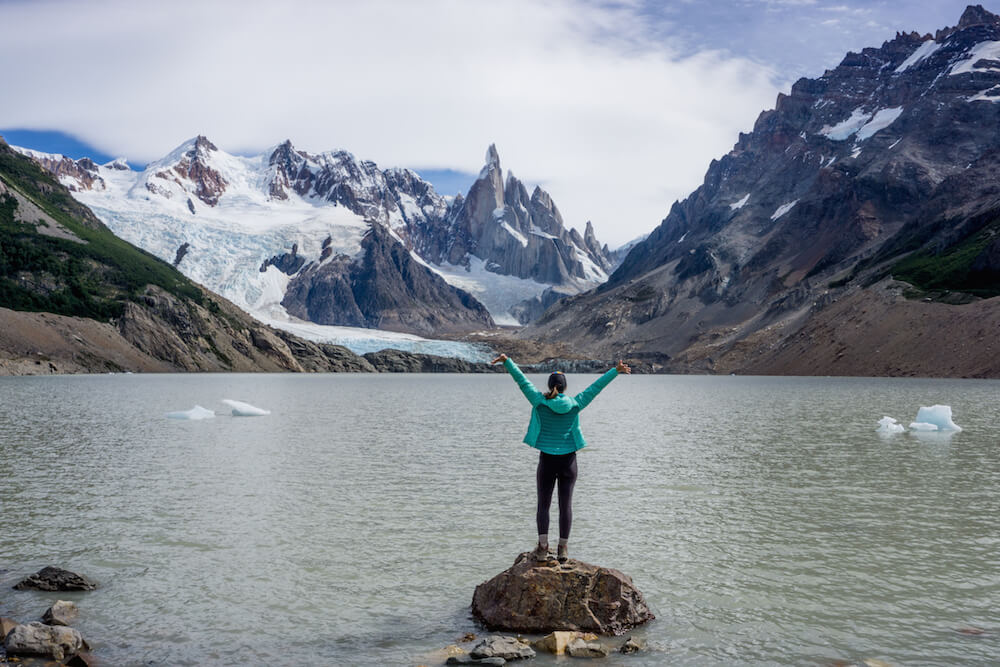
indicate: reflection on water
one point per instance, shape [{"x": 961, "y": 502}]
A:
[{"x": 763, "y": 518}]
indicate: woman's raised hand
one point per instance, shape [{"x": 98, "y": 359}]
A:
[
  {"x": 622, "y": 367},
  {"x": 499, "y": 360}
]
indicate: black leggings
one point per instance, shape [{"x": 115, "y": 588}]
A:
[{"x": 552, "y": 467}]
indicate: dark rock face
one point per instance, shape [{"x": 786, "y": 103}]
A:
[
  {"x": 894, "y": 151},
  {"x": 398, "y": 361},
  {"x": 56, "y": 579},
  {"x": 534, "y": 597},
  {"x": 519, "y": 235},
  {"x": 288, "y": 263},
  {"x": 182, "y": 251},
  {"x": 385, "y": 288}
]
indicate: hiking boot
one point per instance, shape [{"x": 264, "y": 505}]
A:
[
  {"x": 541, "y": 553},
  {"x": 563, "y": 553}
]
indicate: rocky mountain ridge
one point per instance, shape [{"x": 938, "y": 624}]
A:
[
  {"x": 74, "y": 298},
  {"x": 199, "y": 204},
  {"x": 882, "y": 168}
]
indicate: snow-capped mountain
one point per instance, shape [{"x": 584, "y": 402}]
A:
[
  {"x": 295, "y": 237},
  {"x": 882, "y": 167}
]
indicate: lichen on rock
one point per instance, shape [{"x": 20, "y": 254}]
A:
[{"x": 539, "y": 597}]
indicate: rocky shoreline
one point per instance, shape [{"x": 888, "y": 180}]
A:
[{"x": 51, "y": 638}]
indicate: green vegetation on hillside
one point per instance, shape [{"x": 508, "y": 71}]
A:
[
  {"x": 91, "y": 279},
  {"x": 953, "y": 268}
]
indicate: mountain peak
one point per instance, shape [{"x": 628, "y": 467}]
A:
[
  {"x": 202, "y": 144},
  {"x": 492, "y": 157},
  {"x": 977, "y": 15}
]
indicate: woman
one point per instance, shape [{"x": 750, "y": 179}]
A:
[{"x": 555, "y": 431}]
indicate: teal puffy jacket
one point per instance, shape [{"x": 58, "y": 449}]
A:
[{"x": 555, "y": 423}]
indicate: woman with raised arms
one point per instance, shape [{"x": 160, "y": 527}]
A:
[{"x": 554, "y": 430}]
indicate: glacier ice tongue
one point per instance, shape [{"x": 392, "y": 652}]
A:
[
  {"x": 241, "y": 409},
  {"x": 938, "y": 416},
  {"x": 888, "y": 425},
  {"x": 197, "y": 412}
]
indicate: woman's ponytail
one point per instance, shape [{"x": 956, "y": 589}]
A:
[{"x": 557, "y": 385}]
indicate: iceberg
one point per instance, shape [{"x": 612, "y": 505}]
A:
[
  {"x": 197, "y": 412},
  {"x": 934, "y": 418},
  {"x": 888, "y": 425},
  {"x": 241, "y": 409},
  {"x": 923, "y": 426}
]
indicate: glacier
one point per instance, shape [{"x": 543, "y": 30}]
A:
[{"x": 228, "y": 243}]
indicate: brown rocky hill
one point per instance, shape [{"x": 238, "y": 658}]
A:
[{"x": 855, "y": 230}]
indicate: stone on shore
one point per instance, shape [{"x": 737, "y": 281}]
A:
[
  {"x": 61, "y": 613},
  {"x": 497, "y": 646},
  {"x": 535, "y": 597},
  {"x": 56, "y": 579},
  {"x": 6, "y": 625},
  {"x": 37, "y": 638},
  {"x": 632, "y": 645},
  {"x": 579, "y": 648},
  {"x": 556, "y": 642}
]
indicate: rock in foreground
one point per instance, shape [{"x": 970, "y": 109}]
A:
[
  {"x": 543, "y": 597},
  {"x": 56, "y": 579},
  {"x": 61, "y": 613},
  {"x": 56, "y": 642}
]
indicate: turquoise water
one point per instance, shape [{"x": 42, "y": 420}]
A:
[{"x": 763, "y": 518}]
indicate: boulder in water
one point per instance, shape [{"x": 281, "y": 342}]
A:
[
  {"x": 56, "y": 579},
  {"x": 497, "y": 646},
  {"x": 632, "y": 645},
  {"x": 542, "y": 597},
  {"x": 61, "y": 613},
  {"x": 37, "y": 638},
  {"x": 579, "y": 648},
  {"x": 556, "y": 642}
]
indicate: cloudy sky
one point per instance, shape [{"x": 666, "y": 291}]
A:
[{"x": 615, "y": 107}]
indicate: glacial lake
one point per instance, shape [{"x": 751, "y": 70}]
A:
[{"x": 763, "y": 518}]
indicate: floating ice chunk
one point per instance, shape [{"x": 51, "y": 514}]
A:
[
  {"x": 241, "y": 409},
  {"x": 923, "y": 426},
  {"x": 889, "y": 425},
  {"x": 938, "y": 416},
  {"x": 197, "y": 412}
]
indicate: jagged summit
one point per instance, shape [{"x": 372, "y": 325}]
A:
[
  {"x": 505, "y": 246},
  {"x": 977, "y": 15}
]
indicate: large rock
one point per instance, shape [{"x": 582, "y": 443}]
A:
[
  {"x": 45, "y": 640},
  {"x": 61, "y": 613},
  {"x": 56, "y": 579},
  {"x": 535, "y": 597}
]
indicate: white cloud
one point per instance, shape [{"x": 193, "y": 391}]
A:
[{"x": 579, "y": 98}]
